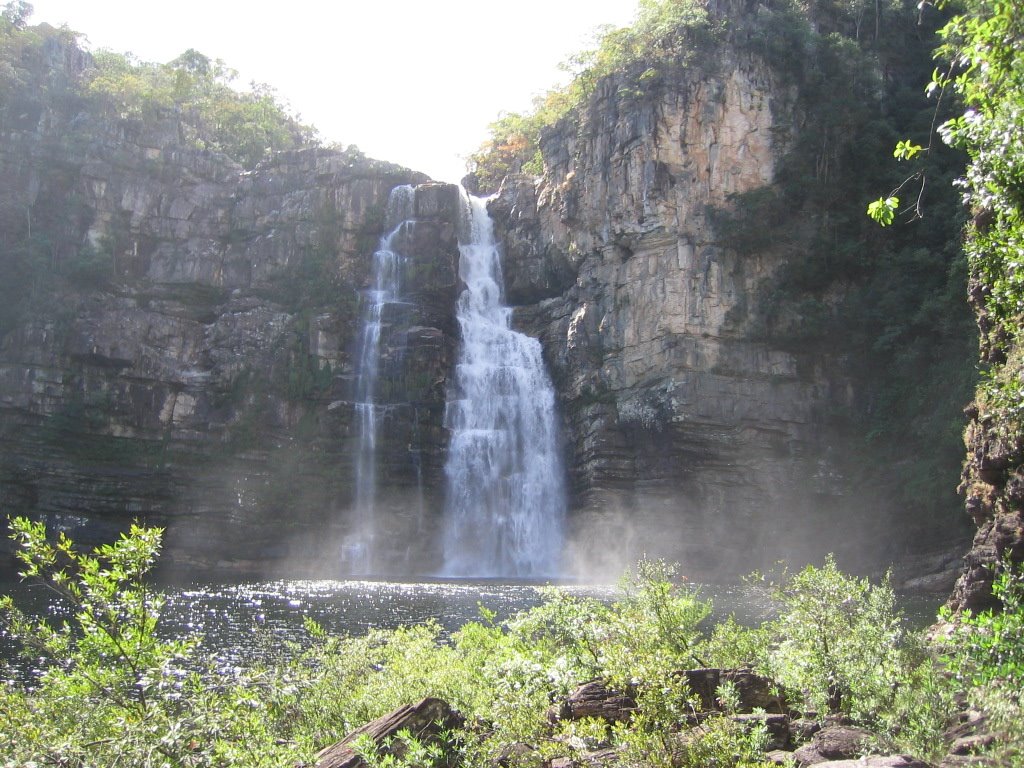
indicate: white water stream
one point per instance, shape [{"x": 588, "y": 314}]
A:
[
  {"x": 386, "y": 289},
  {"x": 505, "y": 483}
]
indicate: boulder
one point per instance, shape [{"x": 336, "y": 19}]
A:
[
  {"x": 595, "y": 699},
  {"x": 972, "y": 745},
  {"x": 755, "y": 691},
  {"x": 835, "y": 742}
]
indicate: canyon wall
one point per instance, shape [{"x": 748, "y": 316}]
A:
[
  {"x": 189, "y": 357},
  {"x": 686, "y": 439},
  {"x": 187, "y": 354}
]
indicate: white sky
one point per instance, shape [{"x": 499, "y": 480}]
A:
[{"x": 411, "y": 81}]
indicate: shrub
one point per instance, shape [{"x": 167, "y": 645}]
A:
[
  {"x": 113, "y": 690},
  {"x": 839, "y": 642},
  {"x": 987, "y": 657}
]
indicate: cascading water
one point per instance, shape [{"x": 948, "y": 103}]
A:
[
  {"x": 386, "y": 288},
  {"x": 505, "y": 483}
]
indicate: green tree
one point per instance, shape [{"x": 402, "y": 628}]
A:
[
  {"x": 17, "y": 13},
  {"x": 200, "y": 93}
]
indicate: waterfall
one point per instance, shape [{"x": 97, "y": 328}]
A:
[
  {"x": 385, "y": 290},
  {"x": 505, "y": 489}
]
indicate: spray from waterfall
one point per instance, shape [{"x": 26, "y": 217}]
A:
[
  {"x": 505, "y": 501},
  {"x": 385, "y": 290}
]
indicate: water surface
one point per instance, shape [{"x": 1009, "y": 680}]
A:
[{"x": 246, "y": 622}]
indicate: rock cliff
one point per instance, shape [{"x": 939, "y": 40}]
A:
[
  {"x": 186, "y": 347},
  {"x": 993, "y": 474},
  {"x": 190, "y": 361},
  {"x": 710, "y": 389},
  {"x": 686, "y": 438}
]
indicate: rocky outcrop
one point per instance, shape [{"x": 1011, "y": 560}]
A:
[
  {"x": 754, "y": 692},
  {"x": 993, "y": 475},
  {"x": 594, "y": 699},
  {"x": 686, "y": 437}
]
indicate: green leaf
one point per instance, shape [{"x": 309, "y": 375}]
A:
[
  {"x": 883, "y": 210},
  {"x": 906, "y": 150}
]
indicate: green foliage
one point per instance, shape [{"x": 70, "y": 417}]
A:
[
  {"x": 986, "y": 655},
  {"x": 664, "y": 34},
  {"x": 982, "y": 45},
  {"x": 906, "y": 150},
  {"x": 16, "y": 13},
  {"x": 116, "y": 692},
  {"x": 839, "y": 642},
  {"x": 650, "y": 632},
  {"x": 979, "y": 50},
  {"x": 883, "y": 210},
  {"x": 987, "y": 646},
  {"x": 718, "y": 741},
  {"x": 198, "y": 91}
]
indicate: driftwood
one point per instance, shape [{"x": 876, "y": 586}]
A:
[{"x": 426, "y": 721}]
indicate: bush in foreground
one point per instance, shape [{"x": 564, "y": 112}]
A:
[{"x": 115, "y": 692}]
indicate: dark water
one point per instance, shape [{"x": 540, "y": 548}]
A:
[{"x": 242, "y": 623}]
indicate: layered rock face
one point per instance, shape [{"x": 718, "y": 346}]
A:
[
  {"x": 194, "y": 365},
  {"x": 685, "y": 438},
  {"x": 993, "y": 475}
]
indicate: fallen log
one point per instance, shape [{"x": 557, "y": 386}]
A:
[{"x": 427, "y": 721}]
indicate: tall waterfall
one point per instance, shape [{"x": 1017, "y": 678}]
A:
[
  {"x": 385, "y": 290},
  {"x": 505, "y": 487}
]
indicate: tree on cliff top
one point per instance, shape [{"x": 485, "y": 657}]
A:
[
  {"x": 245, "y": 125},
  {"x": 17, "y": 13}
]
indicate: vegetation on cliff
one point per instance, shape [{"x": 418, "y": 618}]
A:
[
  {"x": 194, "y": 91},
  {"x": 46, "y": 81},
  {"x": 980, "y": 66},
  {"x": 665, "y": 33},
  {"x": 983, "y": 47},
  {"x": 115, "y": 691}
]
